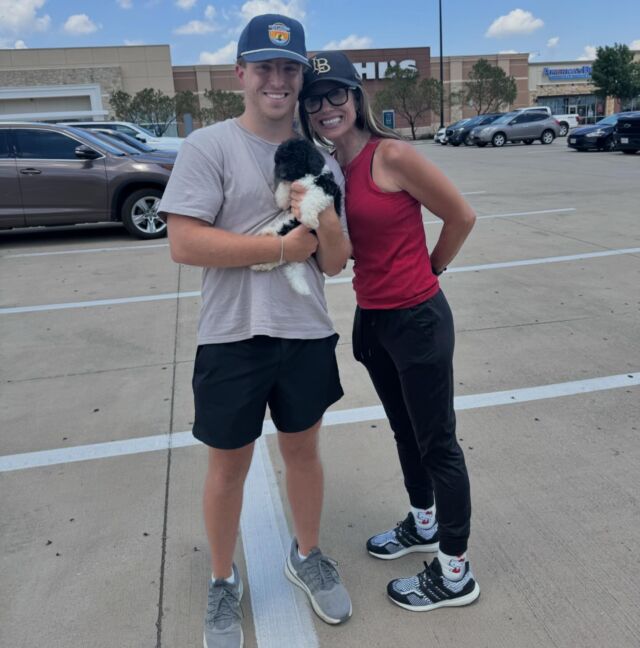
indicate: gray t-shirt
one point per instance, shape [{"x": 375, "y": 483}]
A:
[{"x": 224, "y": 175}]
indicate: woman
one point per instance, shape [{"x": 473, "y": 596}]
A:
[{"x": 403, "y": 330}]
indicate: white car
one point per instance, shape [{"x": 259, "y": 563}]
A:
[
  {"x": 134, "y": 130},
  {"x": 441, "y": 136}
]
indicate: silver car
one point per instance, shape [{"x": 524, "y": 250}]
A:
[{"x": 517, "y": 127}]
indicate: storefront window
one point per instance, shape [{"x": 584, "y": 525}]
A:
[{"x": 589, "y": 108}]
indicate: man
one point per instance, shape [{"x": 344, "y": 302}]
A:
[{"x": 259, "y": 342}]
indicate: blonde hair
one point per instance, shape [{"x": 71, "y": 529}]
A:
[{"x": 365, "y": 119}]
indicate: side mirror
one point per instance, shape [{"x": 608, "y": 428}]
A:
[
  {"x": 85, "y": 152},
  {"x": 141, "y": 138}
]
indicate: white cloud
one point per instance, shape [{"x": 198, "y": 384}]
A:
[
  {"x": 210, "y": 12},
  {"x": 508, "y": 52},
  {"x": 125, "y": 4},
  {"x": 133, "y": 42},
  {"x": 226, "y": 54},
  {"x": 553, "y": 42},
  {"x": 588, "y": 54},
  {"x": 350, "y": 42},
  {"x": 20, "y": 44},
  {"x": 194, "y": 27},
  {"x": 185, "y": 4},
  {"x": 22, "y": 15},
  {"x": 533, "y": 56},
  {"x": 80, "y": 24},
  {"x": 252, "y": 8},
  {"x": 515, "y": 22},
  {"x": 635, "y": 45}
]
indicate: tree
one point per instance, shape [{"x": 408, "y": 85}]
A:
[
  {"x": 155, "y": 109},
  {"x": 407, "y": 94},
  {"x": 615, "y": 74},
  {"x": 187, "y": 103},
  {"x": 121, "y": 105},
  {"x": 150, "y": 107},
  {"x": 489, "y": 87},
  {"x": 224, "y": 105}
]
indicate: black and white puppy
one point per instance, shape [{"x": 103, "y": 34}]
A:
[{"x": 297, "y": 160}]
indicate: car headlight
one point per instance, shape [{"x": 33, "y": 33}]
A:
[{"x": 597, "y": 133}]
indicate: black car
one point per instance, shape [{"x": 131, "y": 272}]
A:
[
  {"x": 458, "y": 133},
  {"x": 599, "y": 137},
  {"x": 627, "y": 133}
]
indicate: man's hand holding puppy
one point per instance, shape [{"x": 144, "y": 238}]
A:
[
  {"x": 333, "y": 247},
  {"x": 299, "y": 244}
]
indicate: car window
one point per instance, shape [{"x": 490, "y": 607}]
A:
[
  {"x": 505, "y": 119},
  {"x": 37, "y": 144},
  {"x": 125, "y": 129},
  {"x": 5, "y": 144},
  {"x": 524, "y": 118},
  {"x": 538, "y": 116},
  {"x": 90, "y": 137},
  {"x": 117, "y": 142}
]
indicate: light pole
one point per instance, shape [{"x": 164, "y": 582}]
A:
[{"x": 441, "y": 68}]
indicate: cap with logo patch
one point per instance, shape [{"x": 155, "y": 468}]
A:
[
  {"x": 331, "y": 66},
  {"x": 272, "y": 36}
]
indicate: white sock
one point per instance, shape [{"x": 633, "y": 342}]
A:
[
  {"x": 425, "y": 520},
  {"x": 452, "y": 566},
  {"x": 301, "y": 556},
  {"x": 231, "y": 580}
]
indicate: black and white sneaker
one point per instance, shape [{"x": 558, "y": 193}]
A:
[
  {"x": 402, "y": 540},
  {"x": 430, "y": 589}
]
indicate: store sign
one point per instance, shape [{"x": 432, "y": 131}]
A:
[
  {"x": 562, "y": 74},
  {"x": 370, "y": 71}
]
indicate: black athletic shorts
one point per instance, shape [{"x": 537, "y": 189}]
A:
[{"x": 234, "y": 382}]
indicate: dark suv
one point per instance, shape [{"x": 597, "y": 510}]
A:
[
  {"x": 627, "y": 133},
  {"x": 59, "y": 175}
]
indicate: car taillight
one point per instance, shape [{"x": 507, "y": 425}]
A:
[{"x": 557, "y": 122}]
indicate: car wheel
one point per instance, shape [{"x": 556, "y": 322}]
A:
[
  {"x": 528, "y": 141},
  {"x": 468, "y": 141},
  {"x": 481, "y": 144},
  {"x": 609, "y": 144},
  {"x": 455, "y": 143},
  {"x": 564, "y": 129},
  {"x": 498, "y": 140},
  {"x": 140, "y": 214},
  {"x": 547, "y": 137},
  {"x": 630, "y": 151}
]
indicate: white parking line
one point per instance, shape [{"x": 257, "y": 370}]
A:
[
  {"x": 281, "y": 616},
  {"x": 333, "y": 281},
  {"x": 120, "y": 248},
  {"x": 473, "y": 193},
  {"x": 511, "y": 214},
  {"x": 339, "y": 417}
]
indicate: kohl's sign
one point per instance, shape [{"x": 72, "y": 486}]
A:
[
  {"x": 562, "y": 74},
  {"x": 371, "y": 71}
]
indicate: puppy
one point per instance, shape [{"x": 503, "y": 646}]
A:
[{"x": 297, "y": 160}]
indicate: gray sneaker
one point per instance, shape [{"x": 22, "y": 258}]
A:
[
  {"x": 318, "y": 577},
  {"x": 222, "y": 627}
]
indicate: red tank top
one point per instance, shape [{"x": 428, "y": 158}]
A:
[{"x": 392, "y": 267}]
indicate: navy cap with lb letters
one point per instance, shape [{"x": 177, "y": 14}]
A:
[
  {"x": 272, "y": 36},
  {"x": 331, "y": 66}
]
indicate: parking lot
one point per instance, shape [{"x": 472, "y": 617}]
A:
[{"x": 101, "y": 538}]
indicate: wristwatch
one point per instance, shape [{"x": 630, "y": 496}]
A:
[{"x": 437, "y": 273}]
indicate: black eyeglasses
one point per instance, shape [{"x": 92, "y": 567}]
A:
[{"x": 336, "y": 97}]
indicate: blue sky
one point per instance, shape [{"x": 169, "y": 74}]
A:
[{"x": 205, "y": 31}]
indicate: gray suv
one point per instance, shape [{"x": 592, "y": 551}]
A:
[
  {"x": 517, "y": 127},
  {"x": 58, "y": 175}
]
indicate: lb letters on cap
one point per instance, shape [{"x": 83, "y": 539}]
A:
[
  {"x": 320, "y": 65},
  {"x": 279, "y": 33}
]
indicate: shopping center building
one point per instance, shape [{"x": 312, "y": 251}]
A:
[{"x": 75, "y": 83}]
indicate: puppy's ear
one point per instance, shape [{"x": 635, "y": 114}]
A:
[{"x": 315, "y": 161}]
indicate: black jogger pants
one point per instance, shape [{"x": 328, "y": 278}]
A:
[{"x": 408, "y": 353}]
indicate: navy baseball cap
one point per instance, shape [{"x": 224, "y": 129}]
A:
[
  {"x": 272, "y": 36},
  {"x": 331, "y": 66}
]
